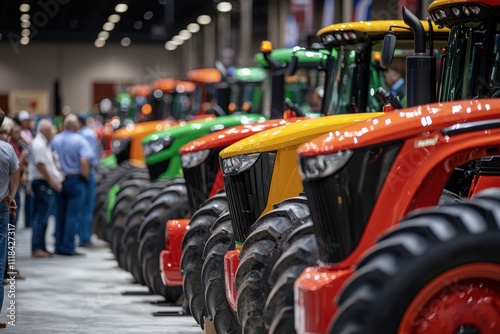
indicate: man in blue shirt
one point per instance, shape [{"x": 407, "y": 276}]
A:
[
  {"x": 75, "y": 156},
  {"x": 396, "y": 83},
  {"x": 85, "y": 229}
]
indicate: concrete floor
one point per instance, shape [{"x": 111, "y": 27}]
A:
[{"x": 82, "y": 294}]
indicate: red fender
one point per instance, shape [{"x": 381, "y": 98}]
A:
[
  {"x": 170, "y": 258},
  {"x": 315, "y": 291},
  {"x": 231, "y": 263}
]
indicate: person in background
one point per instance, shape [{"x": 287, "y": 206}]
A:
[
  {"x": 395, "y": 83},
  {"x": 46, "y": 180},
  {"x": 10, "y": 133},
  {"x": 75, "y": 156},
  {"x": 25, "y": 121},
  {"x": 85, "y": 229},
  {"x": 22, "y": 151},
  {"x": 9, "y": 181}
]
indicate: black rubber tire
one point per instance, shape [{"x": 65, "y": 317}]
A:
[
  {"x": 173, "y": 196},
  {"x": 129, "y": 241},
  {"x": 120, "y": 174},
  {"x": 258, "y": 255},
  {"x": 124, "y": 199},
  {"x": 151, "y": 269},
  {"x": 100, "y": 224},
  {"x": 192, "y": 253},
  {"x": 426, "y": 244},
  {"x": 134, "y": 218},
  {"x": 171, "y": 203},
  {"x": 301, "y": 252},
  {"x": 212, "y": 276}
]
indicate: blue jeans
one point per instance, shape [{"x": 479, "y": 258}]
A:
[
  {"x": 85, "y": 230},
  {"x": 43, "y": 200},
  {"x": 4, "y": 222},
  {"x": 69, "y": 213},
  {"x": 28, "y": 209}
]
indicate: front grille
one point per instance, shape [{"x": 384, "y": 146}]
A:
[
  {"x": 200, "y": 179},
  {"x": 247, "y": 194},
  {"x": 340, "y": 204},
  {"x": 490, "y": 165},
  {"x": 155, "y": 170},
  {"x": 123, "y": 154}
]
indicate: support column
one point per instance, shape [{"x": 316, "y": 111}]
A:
[
  {"x": 284, "y": 10},
  {"x": 224, "y": 33},
  {"x": 246, "y": 16},
  {"x": 210, "y": 52},
  {"x": 272, "y": 22}
]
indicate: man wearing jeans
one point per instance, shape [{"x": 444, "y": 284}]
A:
[
  {"x": 9, "y": 181},
  {"x": 45, "y": 180},
  {"x": 85, "y": 230},
  {"x": 74, "y": 156}
]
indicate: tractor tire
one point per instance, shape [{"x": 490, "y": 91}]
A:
[
  {"x": 192, "y": 253},
  {"x": 151, "y": 269},
  {"x": 258, "y": 255},
  {"x": 437, "y": 272},
  {"x": 124, "y": 199},
  {"x": 134, "y": 218},
  {"x": 122, "y": 173},
  {"x": 212, "y": 276},
  {"x": 171, "y": 203},
  {"x": 300, "y": 253},
  {"x": 129, "y": 242}
]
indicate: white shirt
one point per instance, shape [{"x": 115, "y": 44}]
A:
[{"x": 40, "y": 152}]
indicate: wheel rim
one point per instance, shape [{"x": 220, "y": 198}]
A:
[{"x": 465, "y": 299}]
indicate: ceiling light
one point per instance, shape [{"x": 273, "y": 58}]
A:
[
  {"x": 170, "y": 46},
  {"x": 108, "y": 26},
  {"x": 193, "y": 27},
  {"x": 125, "y": 41},
  {"x": 25, "y": 40},
  {"x": 177, "y": 40},
  {"x": 224, "y": 7},
  {"x": 99, "y": 43},
  {"x": 148, "y": 15},
  {"x": 204, "y": 19},
  {"x": 115, "y": 18},
  {"x": 184, "y": 34},
  {"x": 25, "y": 24},
  {"x": 121, "y": 8},
  {"x": 103, "y": 35},
  {"x": 137, "y": 25},
  {"x": 25, "y": 17},
  {"x": 24, "y": 8},
  {"x": 25, "y": 32}
]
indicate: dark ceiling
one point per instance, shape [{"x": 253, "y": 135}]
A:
[{"x": 82, "y": 20}]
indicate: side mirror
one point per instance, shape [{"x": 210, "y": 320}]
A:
[
  {"x": 292, "y": 65},
  {"x": 388, "y": 48}
]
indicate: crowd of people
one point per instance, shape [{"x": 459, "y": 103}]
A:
[{"x": 56, "y": 168}]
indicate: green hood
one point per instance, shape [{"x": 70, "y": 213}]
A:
[{"x": 161, "y": 149}]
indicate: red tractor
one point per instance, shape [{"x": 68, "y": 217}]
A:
[{"x": 439, "y": 270}]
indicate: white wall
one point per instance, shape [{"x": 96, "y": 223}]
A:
[{"x": 78, "y": 66}]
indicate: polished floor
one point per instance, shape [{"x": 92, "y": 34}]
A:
[{"x": 81, "y": 294}]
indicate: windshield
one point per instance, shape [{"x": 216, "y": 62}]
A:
[
  {"x": 471, "y": 67},
  {"x": 247, "y": 92},
  {"x": 351, "y": 88}
]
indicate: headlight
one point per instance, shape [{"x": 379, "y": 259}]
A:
[
  {"x": 239, "y": 163},
  {"x": 323, "y": 165},
  {"x": 193, "y": 159},
  {"x": 156, "y": 146},
  {"x": 118, "y": 145}
]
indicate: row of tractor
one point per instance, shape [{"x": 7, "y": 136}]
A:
[{"x": 347, "y": 220}]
